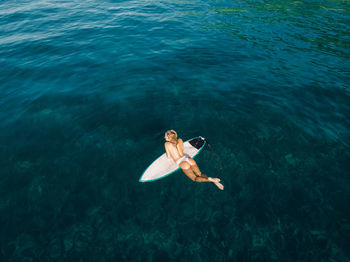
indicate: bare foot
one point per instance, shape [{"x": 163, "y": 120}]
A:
[
  {"x": 214, "y": 180},
  {"x": 219, "y": 185}
]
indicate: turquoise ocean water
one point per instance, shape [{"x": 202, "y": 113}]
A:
[{"x": 88, "y": 88}]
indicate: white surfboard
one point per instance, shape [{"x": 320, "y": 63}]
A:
[{"x": 164, "y": 166}]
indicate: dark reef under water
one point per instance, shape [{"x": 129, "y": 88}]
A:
[{"x": 285, "y": 199}]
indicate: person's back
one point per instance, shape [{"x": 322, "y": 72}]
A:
[{"x": 176, "y": 150}]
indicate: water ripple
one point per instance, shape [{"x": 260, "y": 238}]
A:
[{"x": 273, "y": 48}]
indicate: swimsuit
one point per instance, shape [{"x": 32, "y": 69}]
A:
[{"x": 184, "y": 158}]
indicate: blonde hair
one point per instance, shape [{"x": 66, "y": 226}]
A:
[{"x": 171, "y": 136}]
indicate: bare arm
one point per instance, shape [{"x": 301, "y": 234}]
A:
[
  {"x": 167, "y": 150},
  {"x": 181, "y": 145}
]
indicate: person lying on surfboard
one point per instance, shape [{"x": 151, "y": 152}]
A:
[{"x": 174, "y": 148}]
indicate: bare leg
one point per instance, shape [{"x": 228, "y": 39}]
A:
[
  {"x": 200, "y": 177},
  {"x": 190, "y": 173},
  {"x": 195, "y": 168}
]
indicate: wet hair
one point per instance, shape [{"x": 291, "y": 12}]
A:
[{"x": 171, "y": 136}]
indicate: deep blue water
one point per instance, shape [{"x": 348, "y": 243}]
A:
[{"x": 88, "y": 88}]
